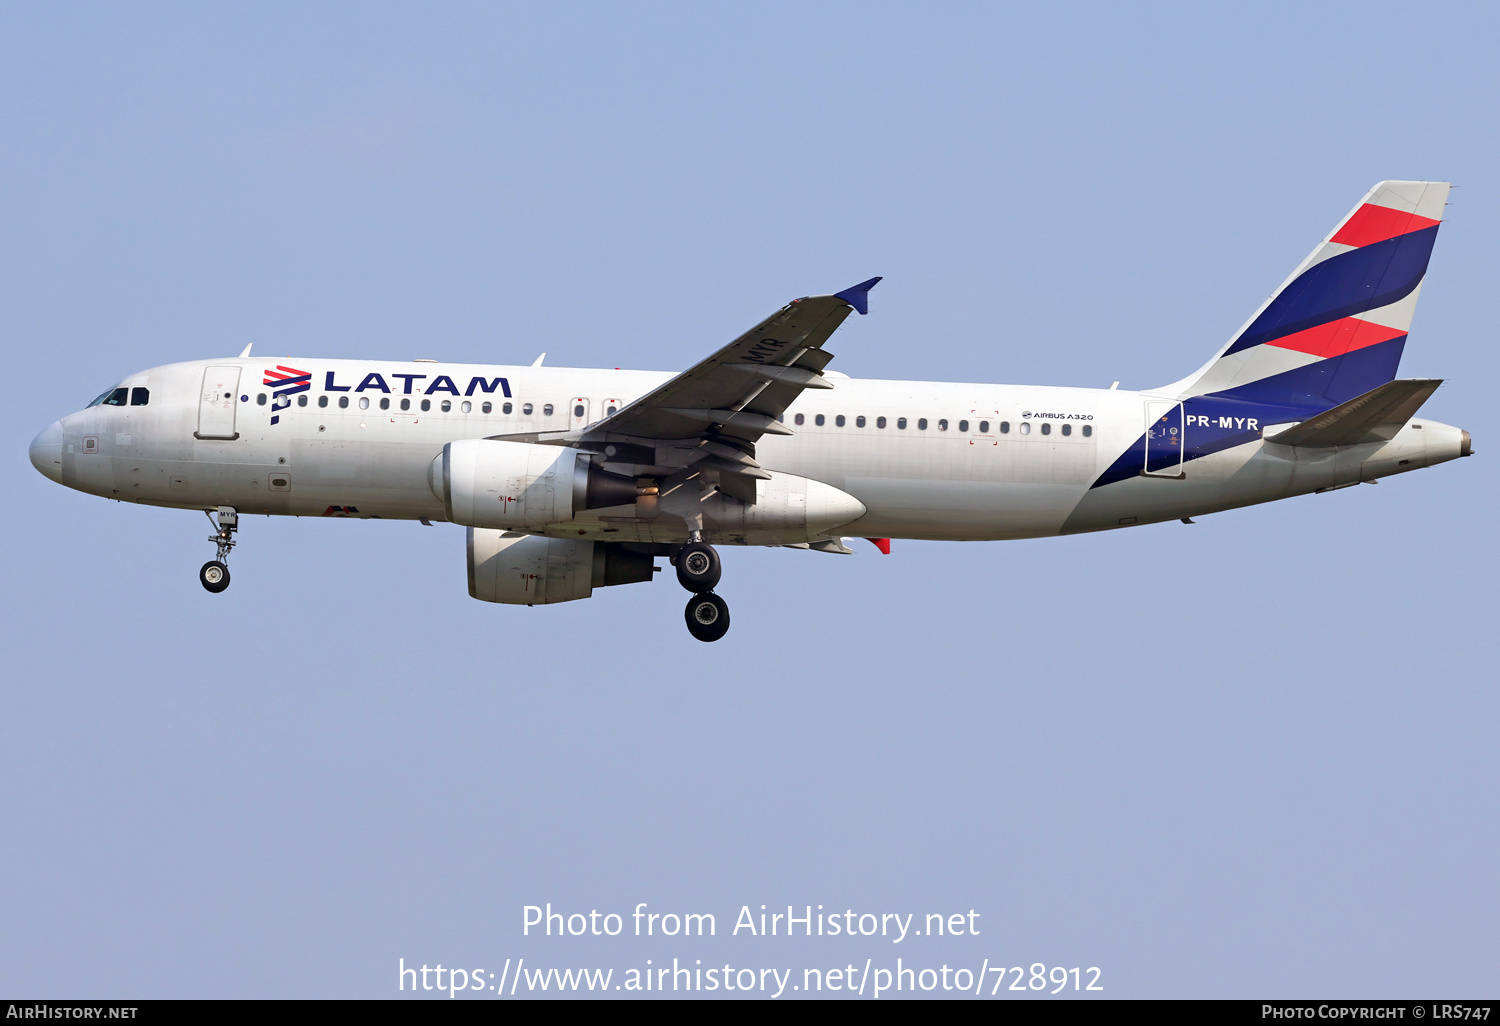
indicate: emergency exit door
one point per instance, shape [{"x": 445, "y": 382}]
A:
[
  {"x": 578, "y": 413},
  {"x": 217, "y": 403}
]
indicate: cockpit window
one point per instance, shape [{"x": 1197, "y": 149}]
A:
[
  {"x": 116, "y": 397},
  {"x": 142, "y": 396}
]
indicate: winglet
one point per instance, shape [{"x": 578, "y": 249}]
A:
[{"x": 858, "y": 296}]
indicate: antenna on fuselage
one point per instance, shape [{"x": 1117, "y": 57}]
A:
[
  {"x": 246, "y": 351},
  {"x": 538, "y": 361}
]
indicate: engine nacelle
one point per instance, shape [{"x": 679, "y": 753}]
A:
[
  {"x": 528, "y": 570},
  {"x": 488, "y": 483}
]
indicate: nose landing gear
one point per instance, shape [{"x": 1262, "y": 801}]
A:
[
  {"x": 699, "y": 570},
  {"x": 214, "y": 575}
]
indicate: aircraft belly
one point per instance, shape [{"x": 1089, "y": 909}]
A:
[
  {"x": 960, "y": 510},
  {"x": 952, "y": 488},
  {"x": 1241, "y": 476}
]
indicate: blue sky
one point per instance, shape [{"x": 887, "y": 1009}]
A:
[{"x": 1249, "y": 757}]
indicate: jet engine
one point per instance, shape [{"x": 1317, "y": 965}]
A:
[
  {"x": 529, "y": 570},
  {"x": 488, "y": 483}
]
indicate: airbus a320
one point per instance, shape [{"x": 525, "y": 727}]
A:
[{"x": 568, "y": 480}]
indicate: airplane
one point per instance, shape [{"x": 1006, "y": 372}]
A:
[{"x": 569, "y": 479}]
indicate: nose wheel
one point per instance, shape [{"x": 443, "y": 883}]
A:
[
  {"x": 214, "y": 575},
  {"x": 699, "y": 570}
]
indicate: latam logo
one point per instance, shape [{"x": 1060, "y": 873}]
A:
[
  {"x": 442, "y": 383},
  {"x": 287, "y": 381}
]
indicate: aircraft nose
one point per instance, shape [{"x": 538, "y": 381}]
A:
[{"x": 46, "y": 451}]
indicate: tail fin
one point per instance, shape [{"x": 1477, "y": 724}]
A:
[{"x": 1335, "y": 329}]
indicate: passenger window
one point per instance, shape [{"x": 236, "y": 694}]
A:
[
  {"x": 819, "y": 420},
  {"x": 963, "y": 425},
  {"x": 445, "y": 407},
  {"x": 922, "y": 424},
  {"x": 1087, "y": 430},
  {"x": 260, "y": 400},
  {"x": 322, "y": 402},
  {"x": 1046, "y": 428},
  {"x": 406, "y": 404},
  {"x": 859, "y": 422},
  {"x": 1067, "y": 429},
  {"x": 302, "y": 400},
  {"x": 1025, "y": 427},
  {"x": 426, "y": 405},
  {"x": 547, "y": 410},
  {"x": 942, "y": 425},
  {"x": 984, "y": 427},
  {"x": 506, "y": 408},
  {"x": 364, "y": 402},
  {"x": 466, "y": 406},
  {"x": 343, "y": 402},
  {"x": 526, "y": 409},
  {"x": 1005, "y": 427},
  {"x": 578, "y": 410},
  {"x": 611, "y": 413},
  {"x": 140, "y": 396},
  {"x": 900, "y": 424},
  {"x": 838, "y": 421},
  {"x": 385, "y": 404},
  {"x": 798, "y": 419},
  {"x": 487, "y": 407}
]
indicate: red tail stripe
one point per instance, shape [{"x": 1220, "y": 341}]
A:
[
  {"x": 1371, "y": 223},
  {"x": 1337, "y": 337}
]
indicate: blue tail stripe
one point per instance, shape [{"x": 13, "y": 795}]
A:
[
  {"x": 1323, "y": 384},
  {"x": 1220, "y": 420},
  {"x": 1350, "y": 283}
]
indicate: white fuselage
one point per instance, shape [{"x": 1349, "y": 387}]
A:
[{"x": 981, "y": 468}]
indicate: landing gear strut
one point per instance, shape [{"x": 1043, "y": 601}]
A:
[
  {"x": 699, "y": 570},
  {"x": 214, "y": 575}
]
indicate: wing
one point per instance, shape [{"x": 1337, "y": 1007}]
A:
[
  {"x": 737, "y": 394},
  {"x": 710, "y": 416}
]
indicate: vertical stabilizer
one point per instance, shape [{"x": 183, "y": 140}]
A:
[{"x": 1336, "y": 328}]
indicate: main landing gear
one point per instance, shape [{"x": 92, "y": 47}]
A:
[
  {"x": 214, "y": 575},
  {"x": 699, "y": 570}
]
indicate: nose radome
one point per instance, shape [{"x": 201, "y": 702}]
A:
[{"x": 46, "y": 451}]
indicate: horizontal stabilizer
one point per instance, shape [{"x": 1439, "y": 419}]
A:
[{"x": 1375, "y": 416}]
